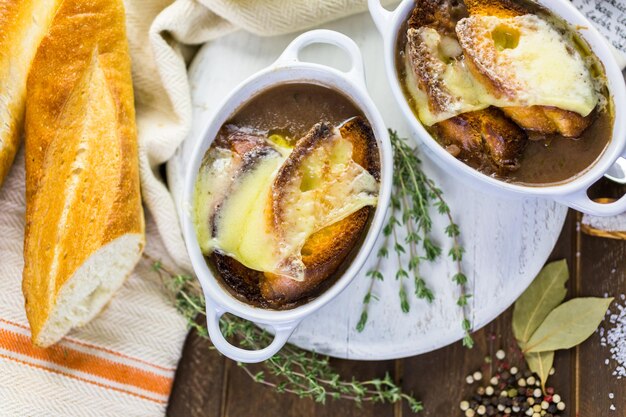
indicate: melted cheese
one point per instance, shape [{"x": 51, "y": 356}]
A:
[
  {"x": 464, "y": 92},
  {"x": 329, "y": 187},
  {"x": 211, "y": 186},
  {"x": 534, "y": 63},
  {"x": 538, "y": 65},
  {"x": 243, "y": 224}
]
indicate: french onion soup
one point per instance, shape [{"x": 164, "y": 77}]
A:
[
  {"x": 506, "y": 87},
  {"x": 285, "y": 193}
]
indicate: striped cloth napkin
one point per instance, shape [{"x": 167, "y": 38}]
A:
[{"x": 120, "y": 364}]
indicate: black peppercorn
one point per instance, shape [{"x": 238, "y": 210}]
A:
[{"x": 511, "y": 393}]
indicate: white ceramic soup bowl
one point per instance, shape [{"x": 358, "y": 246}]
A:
[
  {"x": 287, "y": 69},
  {"x": 572, "y": 193}
]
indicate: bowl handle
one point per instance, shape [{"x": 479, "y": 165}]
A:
[
  {"x": 281, "y": 335},
  {"x": 581, "y": 202},
  {"x": 617, "y": 173},
  {"x": 329, "y": 37},
  {"x": 380, "y": 15}
]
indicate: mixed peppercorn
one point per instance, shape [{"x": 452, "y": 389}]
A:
[{"x": 511, "y": 393}]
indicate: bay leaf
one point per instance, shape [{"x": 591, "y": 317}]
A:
[
  {"x": 569, "y": 324},
  {"x": 545, "y": 293},
  {"x": 540, "y": 363}
]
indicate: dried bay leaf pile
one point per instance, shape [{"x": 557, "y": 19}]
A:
[{"x": 543, "y": 324}]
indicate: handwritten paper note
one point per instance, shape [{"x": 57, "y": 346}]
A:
[{"x": 609, "y": 16}]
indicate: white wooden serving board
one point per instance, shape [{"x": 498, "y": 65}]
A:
[{"x": 507, "y": 241}]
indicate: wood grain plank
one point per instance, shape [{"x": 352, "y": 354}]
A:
[
  {"x": 199, "y": 381},
  {"x": 602, "y": 271},
  {"x": 247, "y": 398}
]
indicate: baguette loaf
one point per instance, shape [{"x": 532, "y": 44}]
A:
[
  {"x": 84, "y": 220},
  {"x": 23, "y": 23}
]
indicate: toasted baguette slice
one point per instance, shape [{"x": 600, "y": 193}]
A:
[
  {"x": 544, "y": 120},
  {"x": 485, "y": 136},
  {"x": 531, "y": 69},
  {"x": 436, "y": 76},
  {"x": 23, "y": 23},
  {"x": 325, "y": 251},
  {"x": 540, "y": 120},
  {"x": 441, "y": 15},
  {"x": 84, "y": 220}
]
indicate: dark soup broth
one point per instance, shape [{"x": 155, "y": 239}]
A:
[{"x": 292, "y": 109}]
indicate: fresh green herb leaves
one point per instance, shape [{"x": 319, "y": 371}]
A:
[
  {"x": 292, "y": 370},
  {"x": 414, "y": 195},
  {"x": 542, "y": 325}
]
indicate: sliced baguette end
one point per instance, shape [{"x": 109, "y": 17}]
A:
[{"x": 90, "y": 288}]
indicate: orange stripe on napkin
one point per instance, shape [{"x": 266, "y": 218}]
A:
[
  {"x": 143, "y": 397},
  {"x": 86, "y": 363},
  {"x": 96, "y": 347}
]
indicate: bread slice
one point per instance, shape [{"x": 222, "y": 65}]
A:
[
  {"x": 441, "y": 15},
  {"x": 545, "y": 120},
  {"x": 436, "y": 75},
  {"x": 486, "y": 137},
  {"x": 532, "y": 70},
  {"x": 324, "y": 251},
  {"x": 84, "y": 220},
  {"x": 23, "y": 23}
]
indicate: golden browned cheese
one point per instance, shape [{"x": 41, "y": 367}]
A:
[
  {"x": 23, "y": 23},
  {"x": 500, "y": 8},
  {"x": 325, "y": 251},
  {"x": 543, "y": 120},
  {"x": 82, "y": 175}
]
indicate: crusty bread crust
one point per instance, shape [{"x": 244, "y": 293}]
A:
[
  {"x": 441, "y": 15},
  {"x": 82, "y": 174},
  {"x": 484, "y": 136},
  {"x": 24, "y": 23},
  {"x": 428, "y": 69},
  {"x": 545, "y": 120}
]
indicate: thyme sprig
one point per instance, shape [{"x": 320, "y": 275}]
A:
[
  {"x": 292, "y": 370},
  {"x": 414, "y": 195}
]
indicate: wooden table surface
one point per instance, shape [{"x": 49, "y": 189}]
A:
[{"x": 209, "y": 385}]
